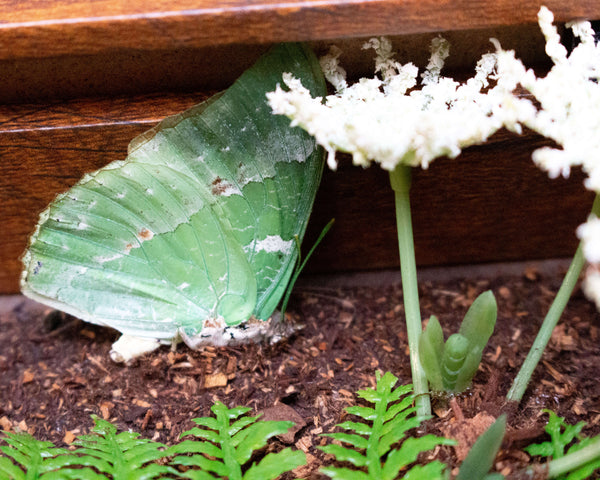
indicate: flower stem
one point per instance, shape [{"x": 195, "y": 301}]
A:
[
  {"x": 400, "y": 179},
  {"x": 573, "y": 461},
  {"x": 563, "y": 465},
  {"x": 522, "y": 379}
]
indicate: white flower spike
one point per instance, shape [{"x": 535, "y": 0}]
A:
[
  {"x": 568, "y": 113},
  {"x": 387, "y": 120}
]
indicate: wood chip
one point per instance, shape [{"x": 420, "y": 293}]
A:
[
  {"x": 215, "y": 380},
  {"x": 69, "y": 437},
  {"x": 5, "y": 424},
  {"x": 105, "y": 409},
  {"x": 28, "y": 376},
  {"x": 283, "y": 412}
]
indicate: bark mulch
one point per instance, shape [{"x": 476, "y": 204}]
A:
[{"x": 55, "y": 370}]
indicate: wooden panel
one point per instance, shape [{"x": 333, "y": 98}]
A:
[
  {"x": 490, "y": 204},
  {"x": 46, "y": 28},
  {"x": 135, "y": 72}
]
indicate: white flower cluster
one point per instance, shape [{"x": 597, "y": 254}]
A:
[
  {"x": 568, "y": 113},
  {"x": 386, "y": 119}
]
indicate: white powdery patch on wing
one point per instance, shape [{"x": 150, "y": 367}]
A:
[
  {"x": 271, "y": 244},
  {"x": 229, "y": 190},
  {"x": 108, "y": 258}
]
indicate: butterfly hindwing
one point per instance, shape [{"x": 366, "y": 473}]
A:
[{"x": 196, "y": 224}]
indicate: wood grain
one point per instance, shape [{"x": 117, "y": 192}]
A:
[
  {"x": 46, "y": 28},
  {"x": 490, "y": 204}
]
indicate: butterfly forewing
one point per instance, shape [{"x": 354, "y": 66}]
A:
[{"x": 198, "y": 223}]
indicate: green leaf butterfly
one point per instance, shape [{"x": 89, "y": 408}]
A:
[{"x": 194, "y": 232}]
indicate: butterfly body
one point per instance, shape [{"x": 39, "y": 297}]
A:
[{"x": 195, "y": 230}]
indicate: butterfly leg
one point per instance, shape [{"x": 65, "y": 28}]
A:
[{"x": 128, "y": 347}]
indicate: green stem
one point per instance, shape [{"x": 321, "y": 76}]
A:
[
  {"x": 400, "y": 179},
  {"x": 574, "y": 460},
  {"x": 522, "y": 379},
  {"x": 563, "y": 465}
]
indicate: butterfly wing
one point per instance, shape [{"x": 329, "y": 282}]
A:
[{"x": 196, "y": 225}]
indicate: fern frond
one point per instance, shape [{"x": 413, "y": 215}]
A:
[
  {"x": 566, "y": 441},
  {"x": 390, "y": 420},
  {"x": 123, "y": 456},
  {"x": 227, "y": 447},
  {"x": 31, "y": 458}
]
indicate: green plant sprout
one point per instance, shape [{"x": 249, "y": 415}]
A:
[
  {"x": 450, "y": 366},
  {"x": 387, "y": 120},
  {"x": 480, "y": 458},
  {"x": 382, "y": 426},
  {"x": 569, "y": 116},
  {"x": 229, "y": 440}
]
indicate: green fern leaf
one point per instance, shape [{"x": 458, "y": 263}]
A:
[
  {"x": 198, "y": 475},
  {"x": 34, "y": 458},
  {"x": 409, "y": 452},
  {"x": 256, "y": 437},
  {"x": 372, "y": 443},
  {"x": 566, "y": 440},
  {"x": 8, "y": 470},
  {"x": 433, "y": 470},
  {"x": 356, "y": 427},
  {"x": 343, "y": 454},
  {"x": 365, "y": 413},
  {"x": 354, "y": 440},
  {"x": 561, "y": 435},
  {"x": 274, "y": 464},
  {"x": 123, "y": 455},
  {"x": 231, "y": 445},
  {"x": 344, "y": 474}
]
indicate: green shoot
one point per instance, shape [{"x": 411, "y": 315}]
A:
[
  {"x": 481, "y": 457},
  {"x": 381, "y": 427},
  {"x": 301, "y": 263},
  {"x": 534, "y": 356},
  {"x": 400, "y": 179},
  {"x": 450, "y": 367},
  {"x": 569, "y": 450},
  {"x": 227, "y": 447}
]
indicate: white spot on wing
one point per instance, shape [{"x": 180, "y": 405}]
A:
[
  {"x": 271, "y": 244},
  {"x": 108, "y": 258}
]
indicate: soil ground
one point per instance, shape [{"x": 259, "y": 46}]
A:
[{"x": 55, "y": 370}]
